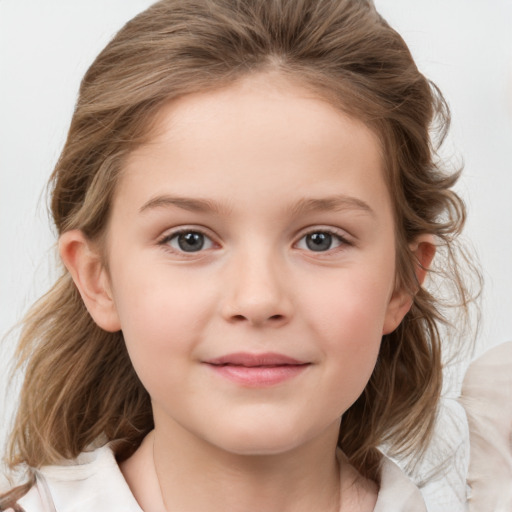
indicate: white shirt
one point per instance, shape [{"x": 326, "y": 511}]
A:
[
  {"x": 487, "y": 398},
  {"x": 94, "y": 482}
]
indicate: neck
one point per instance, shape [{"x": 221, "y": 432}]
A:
[{"x": 192, "y": 476}]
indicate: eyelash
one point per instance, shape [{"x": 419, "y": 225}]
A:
[
  {"x": 343, "y": 242},
  {"x": 341, "y": 239},
  {"x": 165, "y": 241}
]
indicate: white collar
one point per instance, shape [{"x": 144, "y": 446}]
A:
[{"x": 94, "y": 482}]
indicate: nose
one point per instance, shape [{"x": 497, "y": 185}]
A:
[{"x": 257, "y": 292}]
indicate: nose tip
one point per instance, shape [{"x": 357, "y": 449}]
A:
[{"x": 257, "y": 296}]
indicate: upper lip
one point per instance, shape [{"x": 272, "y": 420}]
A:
[{"x": 250, "y": 360}]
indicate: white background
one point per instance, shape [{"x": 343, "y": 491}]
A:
[{"x": 46, "y": 46}]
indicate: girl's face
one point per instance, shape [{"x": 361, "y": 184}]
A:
[{"x": 251, "y": 260}]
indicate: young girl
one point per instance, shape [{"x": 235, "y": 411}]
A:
[{"x": 247, "y": 203}]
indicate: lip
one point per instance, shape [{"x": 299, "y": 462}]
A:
[{"x": 257, "y": 370}]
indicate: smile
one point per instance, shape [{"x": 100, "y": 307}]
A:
[{"x": 257, "y": 370}]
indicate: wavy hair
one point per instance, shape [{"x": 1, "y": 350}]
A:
[{"x": 79, "y": 382}]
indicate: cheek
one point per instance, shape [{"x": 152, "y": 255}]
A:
[
  {"x": 162, "y": 302},
  {"x": 161, "y": 319},
  {"x": 347, "y": 317},
  {"x": 351, "y": 307}
]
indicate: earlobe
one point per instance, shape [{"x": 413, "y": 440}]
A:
[
  {"x": 423, "y": 250},
  {"x": 84, "y": 263}
]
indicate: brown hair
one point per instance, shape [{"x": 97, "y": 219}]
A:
[{"x": 345, "y": 52}]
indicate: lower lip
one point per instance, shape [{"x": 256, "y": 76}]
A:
[{"x": 259, "y": 376}]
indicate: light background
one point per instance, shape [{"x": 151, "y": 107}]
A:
[{"x": 465, "y": 46}]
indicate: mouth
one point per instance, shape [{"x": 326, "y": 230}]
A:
[{"x": 257, "y": 370}]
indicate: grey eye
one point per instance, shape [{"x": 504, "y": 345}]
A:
[
  {"x": 320, "y": 241},
  {"x": 190, "y": 241}
]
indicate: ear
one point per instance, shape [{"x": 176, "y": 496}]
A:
[
  {"x": 84, "y": 263},
  {"x": 423, "y": 250}
]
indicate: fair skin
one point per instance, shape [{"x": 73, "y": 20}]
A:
[{"x": 255, "y": 229}]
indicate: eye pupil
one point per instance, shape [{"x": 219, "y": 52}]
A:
[
  {"x": 319, "y": 241},
  {"x": 191, "y": 241}
]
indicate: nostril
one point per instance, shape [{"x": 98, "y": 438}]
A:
[{"x": 241, "y": 318}]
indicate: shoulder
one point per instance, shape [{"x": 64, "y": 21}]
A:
[
  {"x": 489, "y": 376},
  {"x": 93, "y": 481},
  {"x": 486, "y": 396},
  {"x": 397, "y": 492}
]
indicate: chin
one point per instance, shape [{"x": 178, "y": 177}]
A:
[
  {"x": 259, "y": 448},
  {"x": 262, "y": 441}
]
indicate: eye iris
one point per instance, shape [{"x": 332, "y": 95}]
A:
[
  {"x": 191, "y": 242},
  {"x": 319, "y": 241}
]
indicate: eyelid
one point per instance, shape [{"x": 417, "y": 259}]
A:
[
  {"x": 173, "y": 232},
  {"x": 344, "y": 238}
]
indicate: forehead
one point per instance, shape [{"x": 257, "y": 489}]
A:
[
  {"x": 257, "y": 100},
  {"x": 275, "y": 133}
]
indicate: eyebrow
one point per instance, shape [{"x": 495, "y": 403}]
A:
[
  {"x": 186, "y": 203},
  {"x": 332, "y": 203},
  {"x": 303, "y": 206}
]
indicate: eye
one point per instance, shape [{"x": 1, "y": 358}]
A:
[
  {"x": 188, "y": 241},
  {"x": 321, "y": 241}
]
